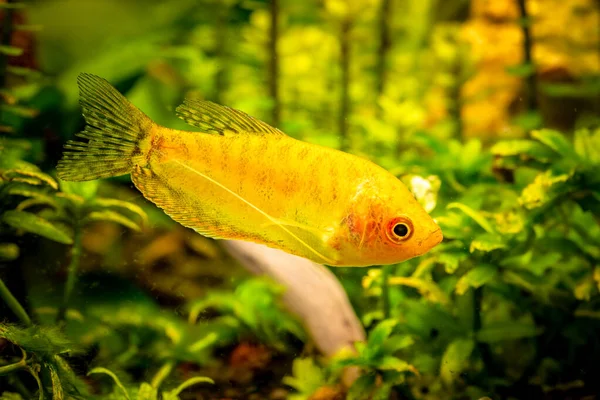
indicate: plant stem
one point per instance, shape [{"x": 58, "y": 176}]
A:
[
  {"x": 385, "y": 42},
  {"x": 274, "y": 63},
  {"x": 162, "y": 374},
  {"x": 7, "y": 369},
  {"x": 345, "y": 83},
  {"x": 527, "y": 58},
  {"x": 5, "y": 41},
  {"x": 385, "y": 291},
  {"x": 71, "y": 271},
  {"x": 14, "y": 304},
  {"x": 484, "y": 349}
]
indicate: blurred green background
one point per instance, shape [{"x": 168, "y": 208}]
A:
[{"x": 488, "y": 110}]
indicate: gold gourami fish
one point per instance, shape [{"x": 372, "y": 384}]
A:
[{"x": 239, "y": 178}]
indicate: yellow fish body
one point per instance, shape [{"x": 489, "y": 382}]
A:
[{"x": 242, "y": 179}]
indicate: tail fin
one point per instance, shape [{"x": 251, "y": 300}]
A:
[{"x": 114, "y": 130}]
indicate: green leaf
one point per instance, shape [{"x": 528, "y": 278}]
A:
[
  {"x": 174, "y": 394},
  {"x": 556, "y": 141},
  {"x": 24, "y": 72},
  {"x": 307, "y": 376},
  {"x": 528, "y": 120},
  {"x": 111, "y": 216},
  {"x": 451, "y": 260},
  {"x": 33, "y": 224},
  {"x": 87, "y": 190},
  {"x": 101, "y": 370},
  {"x": 32, "y": 172},
  {"x": 394, "y": 363},
  {"x": 362, "y": 388},
  {"x": 487, "y": 242},
  {"x": 20, "y": 111},
  {"x": 380, "y": 333},
  {"x": 9, "y": 251},
  {"x": 42, "y": 340},
  {"x": 9, "y": 395},
  {"x": 57, "y": 389},
  {"x": 11, "y": 51},
  {"x": 147, "y": 392},
  {"x": 587, "y": 145},
  {"x": 543, "y": 189},
  {"x": 397, "y": 342},
  {"x": 114, "y": 203},
  {"x": 455, "y": 359},
  {"x": 523, "y": 149},
  {"x": 39, "y": 195},
  {"x": 508, "y": 330},
  {"x": 475, "y": 215},
  {"x": 475, "y": 278}
]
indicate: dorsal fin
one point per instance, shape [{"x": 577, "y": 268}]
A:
[{"x": 214, "y": 118}]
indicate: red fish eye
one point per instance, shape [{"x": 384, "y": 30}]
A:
[{"x": 399, "y": 229}]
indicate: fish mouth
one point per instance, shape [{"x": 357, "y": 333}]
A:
[{"x": 435, "y": 238}]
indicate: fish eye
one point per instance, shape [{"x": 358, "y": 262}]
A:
[{"x": 399, "y": 229}]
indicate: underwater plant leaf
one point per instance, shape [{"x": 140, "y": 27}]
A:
[
  {"x": 427, "y": 288},
  {"x": 509, "y": 222},
  {"x": 57, "y": 389},
  {"x": 120, "y": 204},
  {"x": 11, "y": 50},
  {"x": 32, "y": 223},
  {"x": 451, "y": 260},
  {"x": 11, "y": 396},
  {"x": 71, "y": 383},
  {"x": 174, "y": 394},
  {"x": 147, "y": 392},
  {"x": 475, "y": 215},
  {"x": 9, "y": 251},
  {"x": 112, "y": 216},
  {"x": 556, "y": 141},
  {"x": 585, "y": 287},
  {"x": 361, "y": 388},
  {"x": 509, "y": 330},
  {"x": 87, "y": 190},
  {"x": 523, "y": 149},
  {"x": 394, "y": 363},
  {"x": 475, "y": 278},
  {"x": 587, "y": 145},
  {"x": 35, "y": 196},
  {"x": 102, "y": 370},
  {"x": 455, "y": 359},
  {"x": 377, "y": 338},
  {"x": 306, "y": 377},
  {"x": 528, "y": 120},
  {"x": 544, "y": 188},
  {"x": 487, "y": 242},
  {"x": 32, "y": 174},
  {"x": 397, "y": 342},
  {"x": 42, "y": 340}
]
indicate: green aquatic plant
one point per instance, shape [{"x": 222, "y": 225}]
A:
[
  {"x": 307, "y": 377},
  {"x": 381, "y": 368},
  {"x": 32, "y": 202},
  {"x": 42, "y": 351},
  {"x": 252, "y": 309},
  {"x": 516, "y": 273},
  {"x": 148, "y": 391}
]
